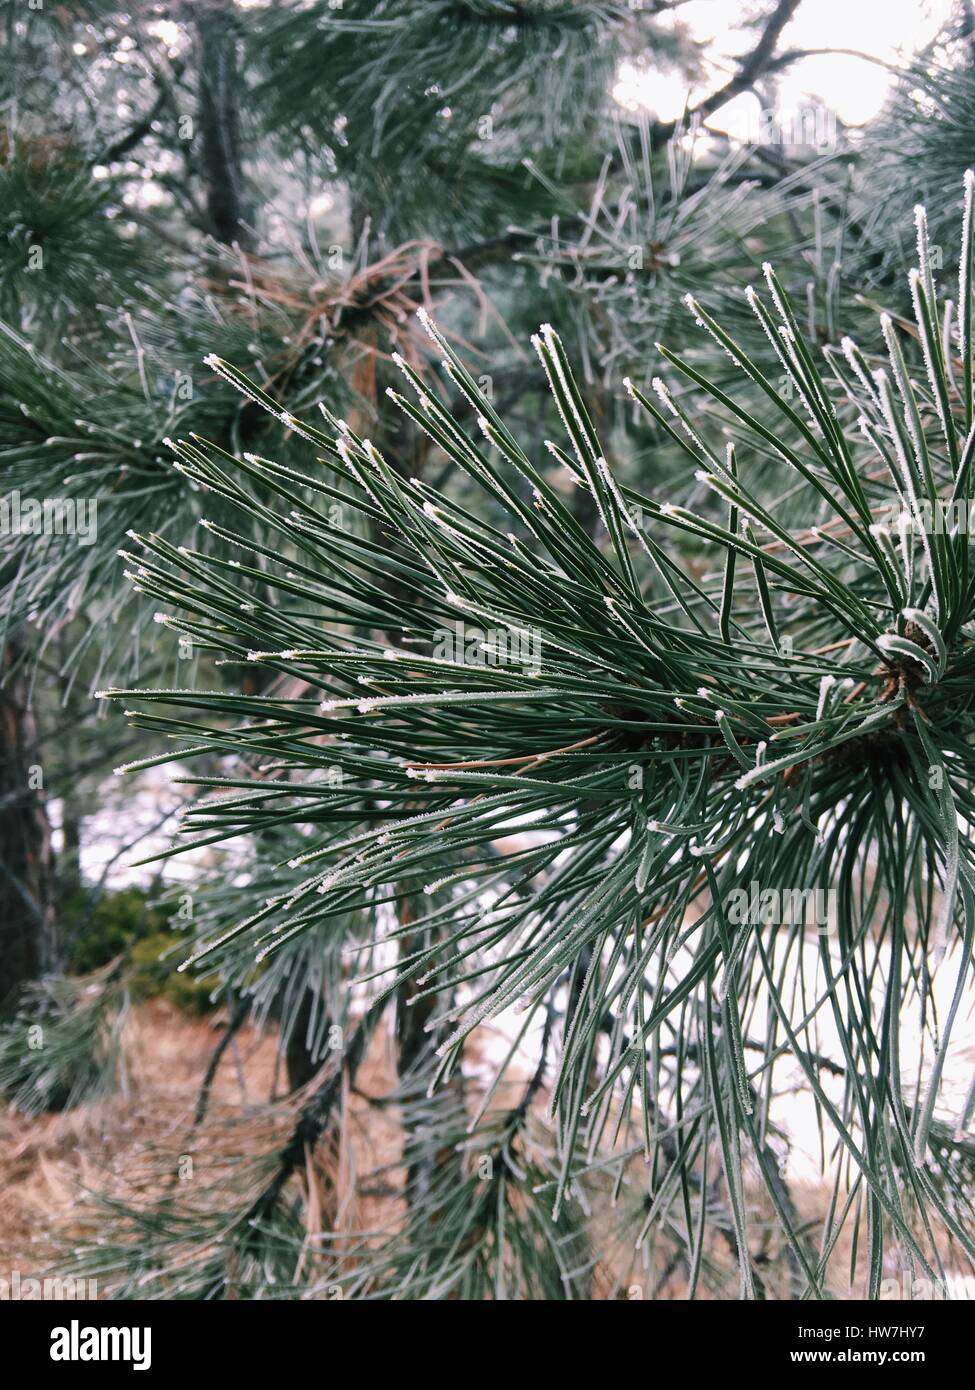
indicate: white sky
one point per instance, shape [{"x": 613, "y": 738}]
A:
[{"x": 891, "y": 30}]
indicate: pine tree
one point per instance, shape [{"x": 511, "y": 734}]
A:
[
  {"x": 104, "y": 303},
  {"x": 794, "y": 721},
  {"x": 614, "y": 682}
]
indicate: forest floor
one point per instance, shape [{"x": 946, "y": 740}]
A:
[{"x": 134, "y": 1142}]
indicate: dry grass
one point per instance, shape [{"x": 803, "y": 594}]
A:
[
  {"x": 127, "y": 1145},
  {"x": 46, "y": 1163}
]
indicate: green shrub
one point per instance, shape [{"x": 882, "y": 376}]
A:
[
  {"x": 131, "y": 922},
  {"x": 153, "y": 974}
]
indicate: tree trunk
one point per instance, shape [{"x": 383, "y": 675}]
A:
[
  {"x": 28, "y": 935},
  {"x": 300, "y": 1062},
  {"x": 219, "y": 118},
  {"x": 72, "y": 804},
  {"x": 413, "y": 1043}
]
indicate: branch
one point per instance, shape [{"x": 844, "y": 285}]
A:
[
  {"x": 753, "y": 66},
  {"x": 141, "y": 129},
  {"x": 756, "y": 64},
  {"x": 314, "y": 1115},
  {"x": 234, "y": 1024},
  {"x": 133, "y": 137}
]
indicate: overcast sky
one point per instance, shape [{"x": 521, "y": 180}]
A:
[{"x": 890, "y": 30}]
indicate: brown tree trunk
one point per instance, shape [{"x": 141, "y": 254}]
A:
[{"x": 28, "y": 936}]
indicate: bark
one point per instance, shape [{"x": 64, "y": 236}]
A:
[
  {"x": 28, "y": 935},
  {"x": 413, "y": 1044},
  {"x": 221, "y": 148},
  {"x": 300, "y": 1063}
]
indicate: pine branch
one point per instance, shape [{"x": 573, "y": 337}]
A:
[{"x": 770, "y": 686}]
